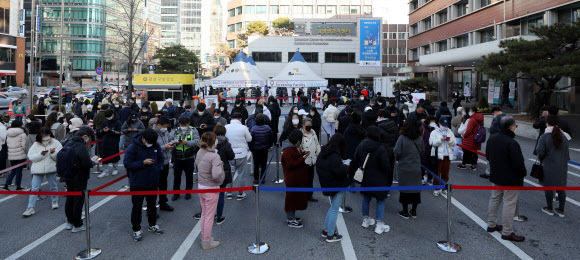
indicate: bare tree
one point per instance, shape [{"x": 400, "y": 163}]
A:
[{"x": 130, "y": 29}]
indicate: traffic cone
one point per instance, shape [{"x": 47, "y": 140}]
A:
[{"x": 10, "y": 107}]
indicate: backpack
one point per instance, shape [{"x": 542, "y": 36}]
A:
[
  {"x": 480, "y": 134},
  {"x": 65, "y": 160}
]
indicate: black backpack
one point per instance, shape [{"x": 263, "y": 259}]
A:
[{"x": 65, "y": 160}]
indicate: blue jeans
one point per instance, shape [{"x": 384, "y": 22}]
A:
[
  {"x": 16, "y": 172},
  {"x": 380, "y": 207},
  {"x": 457, "y": 149},
  {"x": 332, "y": 214},
  {"x": 37, "y": 181},
  {"x": 221, "y": 203}
]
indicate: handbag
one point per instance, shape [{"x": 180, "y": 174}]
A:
[
  {"x": 537, "y": 171},
  {"x": 359, "y": 174}
]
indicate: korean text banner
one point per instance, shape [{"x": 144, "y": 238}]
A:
[{"x": 370, "y": 42}]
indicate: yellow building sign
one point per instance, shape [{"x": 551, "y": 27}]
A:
[{"x": 164, "y": 79}]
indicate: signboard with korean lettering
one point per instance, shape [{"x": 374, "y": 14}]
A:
[
  {"x": 333, "y": 29},
  {"x": 370, "y": 42},
  {"x": 164, "y": 79}
]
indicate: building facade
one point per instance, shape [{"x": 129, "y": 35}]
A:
[
  {"x": 448, "y": 37},
  {"x": 242, "y": 12},
  {"x": 12, "y": 44},
  {"x": 395, "y": 49}
]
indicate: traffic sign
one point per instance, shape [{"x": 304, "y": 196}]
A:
[{"x": 99, "y": 71}]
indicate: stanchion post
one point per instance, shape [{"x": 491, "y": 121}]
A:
[
  {"x": 449, "y": 246},
  {"x": 97, "y": 153},
  {"x": 258, "y": 247},
  {"x": 88, "y": 253},
  {"x": 278, "y": 180},
  {"x": 343, "y": 208}
]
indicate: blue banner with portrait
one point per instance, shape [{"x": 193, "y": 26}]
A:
[{"x": 370, "y": 42}]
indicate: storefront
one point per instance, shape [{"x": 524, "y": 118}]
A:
[{"x": 159, "y": 87}]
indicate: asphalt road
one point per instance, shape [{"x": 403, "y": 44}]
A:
[{"x": 42, "y": 236}]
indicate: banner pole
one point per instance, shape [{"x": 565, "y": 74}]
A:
[
  {"x": 258, "y": 247},
  {"x": 88, "y": 253},
  {"x": 448, "y": 246},
  {"x": 278, "y": 180}
]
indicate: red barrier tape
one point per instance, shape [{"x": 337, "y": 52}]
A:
[
  {"x": 468, "y": 187},
  {"x": 109, "y": 183},
  {"x": 111, "y": 157},
  {"x": 11, "y": 114},
  {"x": 471, "y": 150},
  {"x": 15, "y": 166},
  {"x": 45, "y": 193},
  {"x": 167, "y": 192}
]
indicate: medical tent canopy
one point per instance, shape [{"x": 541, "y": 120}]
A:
[
  {"x": 297, "y": 74},
  {"x": 240, "y": 74}
]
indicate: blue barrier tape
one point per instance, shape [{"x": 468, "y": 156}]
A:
[
  {"x": 434, "y": 187},
  {"x": 574, "y": 163},
  {"x": 434, "y": 175},
  {"x": 266, "y": 170}
]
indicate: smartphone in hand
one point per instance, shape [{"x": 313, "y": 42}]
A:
[{"x": 347, "y": 161}]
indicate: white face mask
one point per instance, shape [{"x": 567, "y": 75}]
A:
[
  {"x": 362, "y": 99},
  {"x": 28, "y": 121},
  {"x": 295, "y": 121},
  {"x": 216, "y": 143},
  {"x": 405, "y": 111},
  {"x": 433, "y": 125},
  {"x": 45, "y": 138},
  {"x": 444, "y": 128},
  {"x": 237, "y": 105},
  {"x": 200, "y": 113},
  {"x": 65, "y": 124},
  {"x": 110, "y": 118},
  {"x": 312, "y": 113},
  {"x": 163, "y": 130},
  {"x": 148, "y": 145},
  {"x": 222, "y": 108},
  {"x": 471, "y": 113},
  {"x": 184, "y": 128},
  {"x": 216, "y": 117},
  {"x": 380, "y": 104},
  {"x": 145, "y": 110}
]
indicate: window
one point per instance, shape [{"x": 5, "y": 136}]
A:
[
  {"x": 274, "y": 9},
  {"x": 284, "y": 9},
  {"x": 486, "y": 35},
  {"x": 442, "y": 45},
  {"x": 355, "y": 9},
  {"x": 485, "y": 3},
  {"x": 308, "y": 9},
  {"x": 169, "y": 19},
  {"x": 402, "y": 51},
  {"x": 250, "y": 9},
  {"x": 392, "y": 36},
  {"x": 414, "y": 5},
  {"x": 368, "y": 9},
  {"x": 532, "y": 22},
  {"x": 169, "y": 10},
  {"x": 232, "y": 44},
  {"x": 321, "y": 9},
  {"x": 442, "y": 16},
  {"x": 462, "y": 41},
  {"x": 231, "y": 28},
  {"x": 344, "y": 9},
  {"x": 393, "y": 51},
  {"x": 238, "y": 27},
  {"x": 297, "y": 9},
  {"x": 413, "y": 29},
  {"x": 239, "y": 10},
  {"x": 331, "y": 9},
  {"x": 462, "y": 8},
  {"x": 427, "y": 24},
  {"x": 311, "y": 57},
  {"x": 261, "y": 9},
  {"x": 426, "y": 49},
  {"x": 267, "y": 56},
  {"x": 339, "y": 57},
  {"x": 402, "y": 36},
  {"x": 231, "y": 12}
]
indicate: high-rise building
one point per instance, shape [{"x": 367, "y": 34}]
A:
[
  {"x": 213, "y": 56},
  {"x": 170, "y": 22},
  {"x": 12, "y": 49},
  {"x": 242, "y": 12},
  {"x": 190, "y": 24},
  {"x": 394, "y": 48},
  {"x": 447, "y": 38}
]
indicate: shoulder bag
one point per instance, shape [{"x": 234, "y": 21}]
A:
[
  {"x": 359, "y": 174},
  {"x": 537, "y": 170}
]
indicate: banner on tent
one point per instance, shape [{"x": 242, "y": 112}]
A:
[
  {"x": 235, "y": 83},
  {"x": 298, "y": 83},
  {"x": 370, "y": 43}
]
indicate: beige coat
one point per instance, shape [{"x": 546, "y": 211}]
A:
[
  {"x": 16, "y": 142},
  {"x": 310, "y": 144}
]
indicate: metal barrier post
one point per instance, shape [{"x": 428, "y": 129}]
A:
[
  {"x": 258, "y": 247},
  {"x": 97, "y": 153},
  {"x": 343, "y": 208},
  {"x": 448, "y": 246},
  {"x": 278, "y": 180},
  {"x": 88, "y": 253}
]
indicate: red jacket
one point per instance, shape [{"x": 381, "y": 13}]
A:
[
  {"x": 474, "y": 121},
  {"x": 296, "y": 176}
]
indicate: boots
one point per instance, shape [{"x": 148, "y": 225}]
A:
[{"x": 209, "y": 244}]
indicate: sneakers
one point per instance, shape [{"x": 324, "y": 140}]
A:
[
  {"x": 165, "y": 207},
  {"x": 312, "y": 199},
  {"x": 367, "y": 222},
  {"x": 461, "y": 167},
  {"x": 55, "y": 205},
  {"x": 485, "y": 176},
  {"x": 188, "y": 196},
  {"x": 497, "y": 228},
  {"x": 175, "y": 197},
  {"x": 5, "y": 187},
  {"x": 444, "y": 192},
  {"x": 103, "y": 174},
  {"x": 513, "y": 237},
  {"x": 155, "y": 229},
  {"x": 197, "y": 216},
  {"x": 404, "y": 214},
  {"x": 520, "y": 218},
  {"x": 68, "y": 226},
  {"x": 560, "y": 213},
  {"x": 138, "y": 235},
  {"x": 473, "y": 167},
  {"x": 78, "y": 229},
  {"x": 395, "y": 182},
  {"x": 436, "y": 193},
  {"x": 20, "y": 188},
  {"x": 229, "y": 195},
  {"x": 209, "y": 244},
  {"x": 413, "y": 213},
  {"x": 220, "y": 220},
  {"x": 295, "y": 223},
  {"x": 324, "y": 233},
  {"x": 548, "y": 211},
  {"x": 29, "y": 212},
  {"x": 242, "y": 196},
  {"x": 382, "y": 228},
  {"x": 334, "y": 238},
  {"x": 115, "y": 172}
]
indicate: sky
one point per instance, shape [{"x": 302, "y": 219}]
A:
[{"x": 393, "y": 11}]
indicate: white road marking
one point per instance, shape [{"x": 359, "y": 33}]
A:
[
  {"x": 575, "y": 202},
  {"x": 575, "y": 149},
  {"x": 346, "y": 243},
  {"x": 509, "y": 245},
  {"x": 571, "y": 173},
  {"x": 55, "y": 231},
  {"x": 12, "y": 196},
  {"x": 187, "y": 243}
]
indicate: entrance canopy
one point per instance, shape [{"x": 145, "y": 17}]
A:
[
  {"x": 240, "y": 74},
  {"x": 298, "y": 74}
]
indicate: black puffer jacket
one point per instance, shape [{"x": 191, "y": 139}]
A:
[
  {"x": 198, "y": 120},
  {"x": 226, "y": 154},
  {"x": 83, "y": 163},
  {"x": 332, "y": 173},
  {"x": 242, "y": 110},
  {"x": 378, "y": 171},
  {"x": 506, "y": 162},
  {"x": 390, "y": 133}
]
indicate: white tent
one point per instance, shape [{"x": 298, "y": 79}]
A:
[
  {"x": 297, "y": 74},
  {"x": 251, "y": 60},
  {"x": 240, "y": 74}
]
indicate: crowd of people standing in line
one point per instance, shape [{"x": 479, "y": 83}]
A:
[{"x": 368, "y": 135}]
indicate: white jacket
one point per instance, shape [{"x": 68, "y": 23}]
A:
[
  {"x": 16, "y": 142},
  {"x": 331, "y": 114},
  {"x": 435, "y": 140},
  {"x": 2, "y": 135},
  {"x": 463, "y": 127},
  {"x": 239, "y": 137},
  {"x": 310, "y": 143},
  {"x": 43, "y": 164}
]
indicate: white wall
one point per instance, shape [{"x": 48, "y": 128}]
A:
[{"x": 15, "y": 6}]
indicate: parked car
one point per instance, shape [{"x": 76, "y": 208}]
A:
[
  {"x": 54, "y": 94},
  {"x": 87, "y": 94},
  {"x": 5, "y": 101},
  {"x": 15, "y": 92}
]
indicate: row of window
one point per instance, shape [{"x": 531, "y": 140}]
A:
[
  {"x": 311, "y": 57},
  {"x": 74, "y": 14},
  {"x": 397, "y": 51},
  {"x": 395, "y": 65},
  {"x": 74, "y": 30},
  {"x": 75, "y": 2},
  {"x": 395, "y": 36},
  {"x": 301, "y": 9}
]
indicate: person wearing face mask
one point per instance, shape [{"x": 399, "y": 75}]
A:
[
  {"x": 82, "y": 165},
  {"x": 262, "y": 140},
  {"x": 58, "y": 130},
  {"x": 43, "y": 156},
  {"x": 311, "y": 146},
  {"x": 125, "y": 112},
  {"x": 240, "y": 108},
  {"x": 169, "y": 108},
  {"x": 202, "y": 119},
  {"x": 361, "y": 103},
  {"x": 33, "y": 125},
  {"x": 427, "y": 160},
  {"x": 218, "y": 119},
  {"x": 469, "y": 157},
  {"x": 144, "y": 163},
  {"x": 316, "y": 121},
  {"x": 275, "y": 111},
  {"x": 100, "y": 116},
  {"x": 145, "y": 115},
  {"x": 75, "y": 124},
  {"x": 110, "y": 132},
  {"x": 186, "y": 139},
  {"x": 296, "y": 176},
  {"x": 223, "y": 108},
  {"x": 442, "y": 142},
  {"x": 166, "y": 145},
  {"x": 294, "y": 124},
  {"x": 19, "y": 110},
  {"x": 455, "y": 124},
  {"x": 131, "y": 128},
  {"x": 330, "y": 117},
  {"x": 288, "y": 118},
  {"x": 369, "y": 117}
]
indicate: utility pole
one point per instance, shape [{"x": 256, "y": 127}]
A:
[
  {"x": 31, "y": 66},
  {"x": 61, "y": 53}
]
